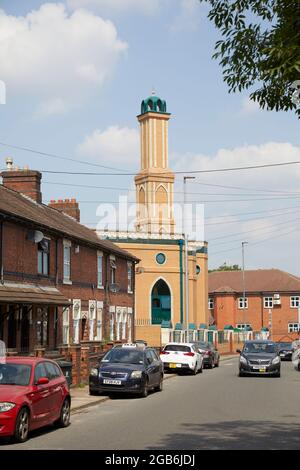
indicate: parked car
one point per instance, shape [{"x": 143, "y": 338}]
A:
[
  {"x": 33, "y": 393},
  {"x": 129, "y": 368},
  {"x": 182, "y": 356},
  {"x": 259, "y": 357},
  {"x": 211, "y": 356},
  {"x": 285, "y": 351}
]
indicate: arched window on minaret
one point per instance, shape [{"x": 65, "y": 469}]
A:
[
  {"x": 142, "y": 204},
  {"x": 162, "y": 207}
]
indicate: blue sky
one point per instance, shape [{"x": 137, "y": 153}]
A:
[{"x": 76, "y": 72}]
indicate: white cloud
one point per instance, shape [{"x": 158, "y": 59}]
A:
[
  {"x": 57, "y": 57},
  {"x": 188, "y": 18},
  {"x": 147, "y": 7},
  {"x": 266, "y": 178},
  {"x": 249, "y": 106},
  {"x": 115, "y": 144}
]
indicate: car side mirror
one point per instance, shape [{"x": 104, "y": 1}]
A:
[
  {"x": 43, "y": 381},
  {"x": 239, "y": 351}
]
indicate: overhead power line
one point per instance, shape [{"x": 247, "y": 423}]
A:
[
  {"x": 277, "y": 235},
  {"x": 59, "y": 157}
]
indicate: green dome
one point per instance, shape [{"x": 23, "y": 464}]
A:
[{"x": 153, "y": 104}]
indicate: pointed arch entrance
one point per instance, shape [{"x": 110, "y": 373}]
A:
[{"x": 160, "y": 302}]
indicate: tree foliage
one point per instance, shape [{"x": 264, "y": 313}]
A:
[
  {"x": 259, "y": 49},
  {"x": 226, "y": 267}
]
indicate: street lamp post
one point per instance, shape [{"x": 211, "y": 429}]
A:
[
  {"x": 185, "y": 178},
  {"x": 244, "y": 286}
]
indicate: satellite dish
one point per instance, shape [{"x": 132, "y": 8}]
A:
[{"x": 35, "y": 236}]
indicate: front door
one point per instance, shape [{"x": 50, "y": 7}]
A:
[
  {"x": 160, "y": 302},
  {"x": 40, "y": 399}
]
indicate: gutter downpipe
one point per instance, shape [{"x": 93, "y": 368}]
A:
[
  {"x": 2, "y": 252},
  {"x": 180, "y": 242}
]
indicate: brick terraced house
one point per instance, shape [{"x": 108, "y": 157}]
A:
[
  {"x": 272, "y": 301},
  {"x": 63, "y": 290}
]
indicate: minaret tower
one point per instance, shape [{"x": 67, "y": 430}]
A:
[{"x": 155, "y": 182}]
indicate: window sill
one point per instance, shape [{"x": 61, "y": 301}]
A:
[
  {"x": 130, "y": 292},
  {"x": 67, "y": 281},
  {"x": 100, "y": 287}
]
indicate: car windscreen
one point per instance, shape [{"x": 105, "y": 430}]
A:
[
  {"x": 202, "y": 344},
  {"x": 177, "y": 347},
  {"x": 15, "y": 374},
  {"x": 124, "y": 356},
  {"x": 285, "y": 345},
  {"x": 258, "y": 348}
]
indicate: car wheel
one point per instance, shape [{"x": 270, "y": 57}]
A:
[
  {"x": 194, "y": 371},
  {"x": 22, "y": 426},
  {"x": 217, "y": 363},
  {"x": 210, "y": 365},
  {"x": 159, "y": 387},
  {"x": 144, "y": 392},
  {"x": 64, "y": 419},
  {"x": 201, "y": 369},
  {"x": 241, "y": 374},
  {"x": 93, "y": 393},
  {"x": 277, "y": 375}
]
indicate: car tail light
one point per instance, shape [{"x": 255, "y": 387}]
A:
[
  {"x": 191, "y": 354},
  {"x": 208, "y": 353},
  {"x": 164, "y": 352}
]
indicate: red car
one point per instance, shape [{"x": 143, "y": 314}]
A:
[{"x": 33, "y": 393}]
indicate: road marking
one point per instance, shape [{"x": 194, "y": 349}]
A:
[{"x": 228, "y": 364}]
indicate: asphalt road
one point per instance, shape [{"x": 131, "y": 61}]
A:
[{"x": 213, "y": 410}]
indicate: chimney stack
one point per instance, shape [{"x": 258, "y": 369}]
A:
[
  {"x": 67, "y": 206},
  {"x": 24, "y": 181}
]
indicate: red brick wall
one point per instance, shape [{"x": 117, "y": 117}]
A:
[{"x": 226, "y": 312}]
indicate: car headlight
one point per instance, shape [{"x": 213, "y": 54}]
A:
[
  {"x": 243, "y": 360},
  {"x": 94, "y": 372},
  {"x": 276, "y": 360},
  {"x": 136, "y": 374},
  {"x": 6, "y": 406}
]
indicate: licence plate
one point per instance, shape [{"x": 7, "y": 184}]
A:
[
  {"x": 173, "y": 366},
  {"x": 282, "y": 355},
  {"x": 112, "y": 382},
  {"x": 260, "y": 369}
]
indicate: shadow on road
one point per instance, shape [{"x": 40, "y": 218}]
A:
[{"x": 234, "y": 435}]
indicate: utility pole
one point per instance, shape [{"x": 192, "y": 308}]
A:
[
  {"x": 244, "y": 286},
  {"x": 185, "y": 178}
]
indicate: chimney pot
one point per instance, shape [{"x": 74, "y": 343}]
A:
[{"x": 9, "y": 163}]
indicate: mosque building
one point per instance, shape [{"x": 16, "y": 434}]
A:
[{"x": 160, "y": 275}]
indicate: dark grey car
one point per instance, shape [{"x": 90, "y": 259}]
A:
[
  {"x": 259, "y": 358},
  {"x": 211, "y": 356}
]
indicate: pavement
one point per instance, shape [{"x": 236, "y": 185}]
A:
[
  {"x": 81, "y": 398},
  {"x": 213, "y": 410}
]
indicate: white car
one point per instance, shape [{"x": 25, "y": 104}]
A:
[{"x": 182, "y": 356}]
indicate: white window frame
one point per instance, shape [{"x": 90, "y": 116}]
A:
[
  {"x": 211, "y": 303},
  {"x": 92, "y": 318},
  {"x": 130, "y": 277},
  {"x": 124, "y": 323},
  {"x": 294, "y": 301},
  {"x": 293, "y": 327},
  {"x": 100, "y": 271},
  {"x": 66, "y": 325},
  {"x": 241, "y": 303},
  {"x": 268, "y": 302},
  {"x": 112, "y": 310},
  {"x": 76, "y": 321},
  {"x": 67, "y": 279},
  {"x": 99, "y": 320},
  {"x": 129, "y": 324},
  {"x": 113, "y": 269}
]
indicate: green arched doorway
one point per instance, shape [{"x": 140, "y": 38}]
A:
[{"x": 160, "y": 303}]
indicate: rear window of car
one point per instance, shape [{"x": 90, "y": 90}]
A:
[
  {"x": 177, "y": 347},
  {"x": 15, "y": 374}
]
